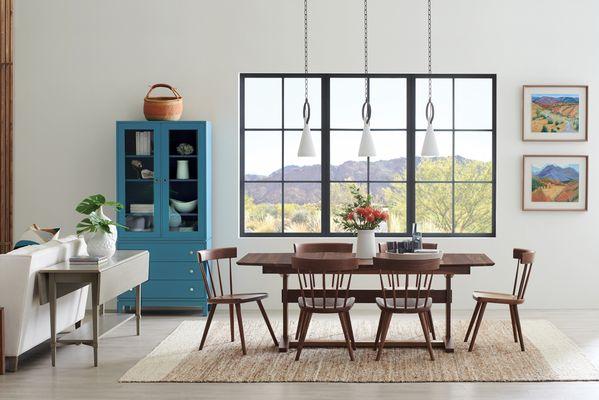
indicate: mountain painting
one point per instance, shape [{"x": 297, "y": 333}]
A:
[
  {"x": 555, "y": 113},
  {"x": 555, "y": 182}
]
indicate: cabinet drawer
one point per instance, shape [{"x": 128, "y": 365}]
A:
[
  {"x": 169, "y": 290},
  {"x": 175, "y": 270},
  {"x": 167, "y": 251}
]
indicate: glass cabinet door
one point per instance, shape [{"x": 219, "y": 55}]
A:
[
  {"x": 139, "y": 189},
  {"x": 181, "y": 181}
]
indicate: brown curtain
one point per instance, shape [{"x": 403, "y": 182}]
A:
[{"x": 6, "y": 122}]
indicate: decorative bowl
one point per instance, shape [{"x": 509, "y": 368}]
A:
[{"x": 184, "y": 206}]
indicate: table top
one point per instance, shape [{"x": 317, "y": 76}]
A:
[
  {"x": 117, "y": 259},
  {"x": 281, "y": 262}
]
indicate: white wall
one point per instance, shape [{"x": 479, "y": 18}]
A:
[{"x": 82, "y": 65}]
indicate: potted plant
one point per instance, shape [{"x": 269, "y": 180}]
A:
[
  {"x": 361, "y": 217},
  {"x": 99, "y": 232}
]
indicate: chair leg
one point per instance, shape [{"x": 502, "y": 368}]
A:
[
  {"x": 431, "y": 325},
  {"x": 478, "y": 321},
  {"x": 384, "y": 331},
  {"x": 378, "y": 331},
  {"x": 240, "y": 323},
  {"x": 350, "y": 349},
  {"x": 351, "y": 330},
  {"x": 302, "y": 338},
  {"x": 208, "y": 321},
  {"x": 513, "y": 318},
  {"x": 474, "y": 315},
  {"x": 300, "y": 321},
  {"x": 265, "y": 316},
  {"x": 232, "y": 321},
  {"x": 426, "y": 330},
  {"x": 519, "y": 326}
]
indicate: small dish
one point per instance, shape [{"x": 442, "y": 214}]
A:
[{"x": 184, "y": 206}]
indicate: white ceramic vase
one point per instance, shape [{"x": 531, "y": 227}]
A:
[
  {"x": 100, "y": 243},
  {"x": 366, "y": 244},
  {"x": 182, "y": 169}
]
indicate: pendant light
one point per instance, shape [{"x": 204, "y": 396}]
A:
[
  {"x": 429, "y": 147},
  {"x": 367, "y": 148},
  {"x": 306, "y": 147}
]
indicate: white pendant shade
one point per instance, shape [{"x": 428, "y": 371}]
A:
[
  {"x": 429, "y": 147},
  {"x": 367, "y": 148},
  {"x": 306, "y": 147}
]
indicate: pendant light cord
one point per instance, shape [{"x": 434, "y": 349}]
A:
[
  {"x": 306, "y": 109},
  {"x": 430, "y": 109},
  {"x": 366, "y": 109}
]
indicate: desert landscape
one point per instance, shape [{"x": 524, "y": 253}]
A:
[
  {"x": 555, "y": 113},
  {"x": 555, "y": 183}
]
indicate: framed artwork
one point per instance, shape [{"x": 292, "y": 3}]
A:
[
  {"x": 555, "y": 183},
  {"x": 555, "y": 113}
]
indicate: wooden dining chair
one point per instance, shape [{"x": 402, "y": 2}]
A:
[
  {"x": 524, "y": 260},
  {"x": 317, "y": 297},
  {"x": 429, "y": 246},
  {"x": 322, "y": 247},
  {"x": 325, "y": 247},
  {"x": 233, "y": 300},
  {"x": 409, "y": 293}
]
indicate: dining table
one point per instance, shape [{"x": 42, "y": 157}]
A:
[{"x": 451, "y": 264}]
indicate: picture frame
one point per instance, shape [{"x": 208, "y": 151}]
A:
[
  {"x": 555, "y": 182},
  {"x": 555, "y": 113}
]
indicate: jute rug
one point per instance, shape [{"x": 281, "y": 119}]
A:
[{"x": 549, "y": 356}]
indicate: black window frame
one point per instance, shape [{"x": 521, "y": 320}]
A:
[{"x": 325, "y": 130}]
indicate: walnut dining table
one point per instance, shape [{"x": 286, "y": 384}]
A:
[{"x": 452, "y": 264}]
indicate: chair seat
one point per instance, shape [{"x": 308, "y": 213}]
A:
[
  {"x": 400, "y": 304},
  {"x": 237, "y": 298},
  {"x": 318, "y": 304},
  {"x": 499, "y": 298}
]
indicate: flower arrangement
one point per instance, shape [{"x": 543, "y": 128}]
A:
[{"x": 360, "y": 215}]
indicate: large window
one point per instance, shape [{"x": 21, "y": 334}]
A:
[{"x": 449, "y": 195}]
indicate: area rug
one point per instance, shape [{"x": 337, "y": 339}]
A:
[{"x": 549, "y": 356}]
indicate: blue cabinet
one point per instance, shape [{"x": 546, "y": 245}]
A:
[{"x": 164, "y": 182}]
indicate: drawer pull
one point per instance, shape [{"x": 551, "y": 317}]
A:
[
  {"x": 191, "y": 252},
  {"x": 191, "y": 289},
  {"x": 191, "y": 271}
]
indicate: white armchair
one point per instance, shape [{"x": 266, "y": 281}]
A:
[{"x": 27, "y": 322}]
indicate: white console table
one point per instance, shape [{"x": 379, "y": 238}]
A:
[{"x": 127, "y": 269}]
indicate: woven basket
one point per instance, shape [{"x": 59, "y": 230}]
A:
[{"x": 167, "y": 108}]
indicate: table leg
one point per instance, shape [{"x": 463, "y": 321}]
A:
[
  {"x": 449, "y": 348},
  {"x": 95, "y": 311},
  {"x": 138, "y": 309},
  {"x": 284, "y": 342},
  {"x": 52, "y": 301}
]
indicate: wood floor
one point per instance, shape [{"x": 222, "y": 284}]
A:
[{"x": 76, "y": 378}]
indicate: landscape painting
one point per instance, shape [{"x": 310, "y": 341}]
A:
[
  {"x": 555, "y": 182},
  {"x": 555, "y": 113}
]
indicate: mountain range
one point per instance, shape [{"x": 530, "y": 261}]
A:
[
  {"x": 556, "y": 173},
  {"x": 301, "y": 193},
  {"x": 547, "y": 101}
]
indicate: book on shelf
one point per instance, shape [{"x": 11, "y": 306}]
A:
[
  {"x": 142, "y": 208},
  {"x": 143, "y": 143},
  {"x": 87, "y": 260}
]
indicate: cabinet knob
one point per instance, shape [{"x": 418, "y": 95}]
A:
[
  {"x": 191, "y": 252},
  {"x": 191, "y": 270},
  {"x": 191, "y": 289}
]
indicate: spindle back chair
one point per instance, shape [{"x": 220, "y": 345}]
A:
[
  {"x": 218, "y": 293},
  {"x": 405, "y": 289},
  {"x": 314, "y": 272},
  {"x": 524, "y": 261}
]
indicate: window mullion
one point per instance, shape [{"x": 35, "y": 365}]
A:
[
  {"x": 411, "y": 152},
  {"x": 325, "y": 140}
]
